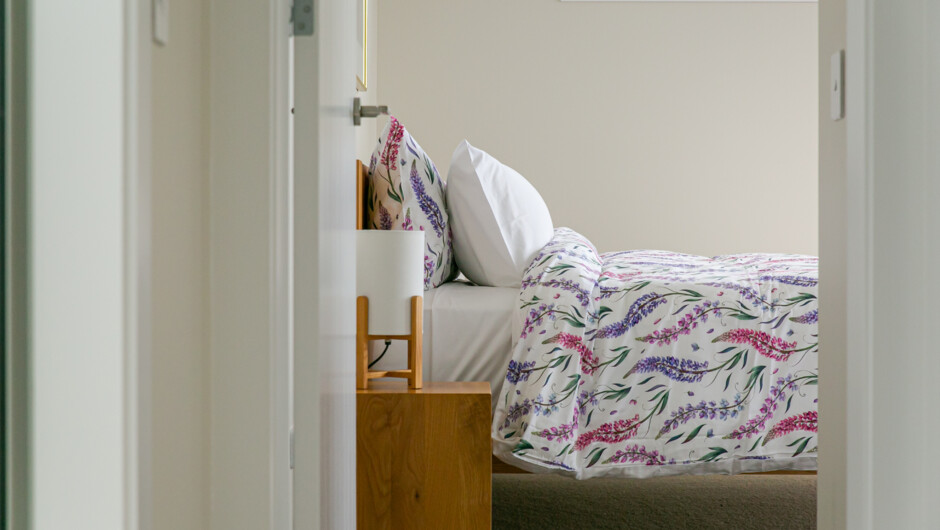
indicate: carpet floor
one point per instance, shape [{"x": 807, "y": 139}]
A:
[{"x": 757, "y": 502}]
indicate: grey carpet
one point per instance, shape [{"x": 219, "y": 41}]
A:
[{"x": 701, "y": 502}]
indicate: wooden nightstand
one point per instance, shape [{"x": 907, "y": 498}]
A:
[{"x": 423, "y": 456}]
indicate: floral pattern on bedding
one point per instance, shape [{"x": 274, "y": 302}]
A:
[
  {"x": 646, "y": 363},
  {"x": 406, "y": 192}
]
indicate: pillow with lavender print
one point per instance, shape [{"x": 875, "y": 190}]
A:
[{"x": 406, "y": 192}]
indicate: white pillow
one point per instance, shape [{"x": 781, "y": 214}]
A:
[{"x": 499, "y": 221}]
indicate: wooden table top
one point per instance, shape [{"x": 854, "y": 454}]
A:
[{"x": 430, "y": 387}]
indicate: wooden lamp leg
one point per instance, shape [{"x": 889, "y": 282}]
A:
[
  {"x": 362, "y": 343},
  {"x": 415, "y": 363}
]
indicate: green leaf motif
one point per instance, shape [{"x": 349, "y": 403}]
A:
[
  {"x": 802, "y": 447},
  {"x": 713, "y": 455},
  {"x": 755, "y": 444},
  {"x": 693, "y": 434},
  {"x": 596, "y": 457}
]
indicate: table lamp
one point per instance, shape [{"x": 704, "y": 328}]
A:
[{"x": 390, "y": 295}]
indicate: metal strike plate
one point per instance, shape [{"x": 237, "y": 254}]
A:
[{"x": 302, "y": 17}]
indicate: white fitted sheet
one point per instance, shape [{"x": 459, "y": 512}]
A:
[{"x": 469, "y": 332}]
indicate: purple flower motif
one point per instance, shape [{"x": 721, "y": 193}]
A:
[
  {"x": 385, "y": 220},
  {"x": 641, "y": 308},
  {"x": 709, "y": 410},
  {"x": 807, "y": 318},
  {"x": 536, "y": 317},
  {"x": 798, "y": 281},
  {"x": 428, "y": 206},
  {"x": 585, "y": 398},
  {"x": 673, "y": 265},
  {"x": 546, "y": 407},
  {"x": 685, "y": 325},
  {"x": 680, "y": 370},
  {"x": 519, "y": 371},
  {"x": 756, "y": 424},
  {"x": 748, "y": 293},
  {"x": 572, "y": 286},
  {"x": 517, "y": 411},
  {"x": 607, "y": 292},
  {"x": 428, "y": 271},
  {"x": 638, "y": 454}
]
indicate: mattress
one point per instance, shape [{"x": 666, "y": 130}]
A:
[{"x": 469, "y": 334}]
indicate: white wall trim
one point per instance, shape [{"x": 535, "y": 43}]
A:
[
  {"x": 88, "y": 265},
  {"x": 249, "y": 263},
  {"x": 137, "y": 265},
  {"x": 860, "y": 279},
  {"x": 281, "y": 281}
]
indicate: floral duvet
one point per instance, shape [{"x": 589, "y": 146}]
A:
[{"x": 646, "y": 363}]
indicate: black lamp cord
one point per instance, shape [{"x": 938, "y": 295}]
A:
[{"x": 379, "y": 358}]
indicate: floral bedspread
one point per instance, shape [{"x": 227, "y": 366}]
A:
[{"x": 647, "y": 363}]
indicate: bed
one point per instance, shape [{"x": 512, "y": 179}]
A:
[
  {"x": 639, "y": 363},
  {"x": 648, "y": 363}
]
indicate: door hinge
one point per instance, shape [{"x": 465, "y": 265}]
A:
[
  {"x": 301, "y": 17},
  {"x": 291, "y": 437}
]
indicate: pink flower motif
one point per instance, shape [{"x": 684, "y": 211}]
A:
[
  {"x": 395, "y": 133},
  {"x": 406, "y": 224},
  {"x": 561, "y": 433},
  {"x": 684, "y": 326},
  {"x": 638, "y": 455},
  {"x": 808, "y": 421},
  {"x": 772, "y": 347},
  {"x": 609, "y": 433},
  {"x": 589, "y": 361}
]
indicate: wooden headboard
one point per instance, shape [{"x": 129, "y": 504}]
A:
[{"x": 362, "y": 175}]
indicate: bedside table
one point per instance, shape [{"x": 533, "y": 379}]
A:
[{"x": 423, "y": 456}]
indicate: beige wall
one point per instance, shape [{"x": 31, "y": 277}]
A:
[
  {"x": 180, "y": 272},
  {"x": 832, "y": 327},
  {"x": 681, "y": 126}
]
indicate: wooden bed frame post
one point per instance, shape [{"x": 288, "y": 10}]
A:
[
  {"x": 416, "y": 380},
  {"x": 414, "y": 373},
  {"x": 362, "y": 342}
]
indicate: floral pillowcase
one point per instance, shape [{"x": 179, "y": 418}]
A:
[{"x": 406, "y": 192}]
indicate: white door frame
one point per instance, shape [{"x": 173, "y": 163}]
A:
[
  {"x": 250, "y": 264},
  {"x": 324, "y": 271},
  {"x": 893, "y": 127},
  {"x": 87, "y": 268},
  {"x": 859, "y": 271}
]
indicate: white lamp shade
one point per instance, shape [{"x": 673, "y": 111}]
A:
[{"x": 389, "y": 271}]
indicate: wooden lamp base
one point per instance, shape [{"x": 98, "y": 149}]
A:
[{"x": 413, "y": 374}]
